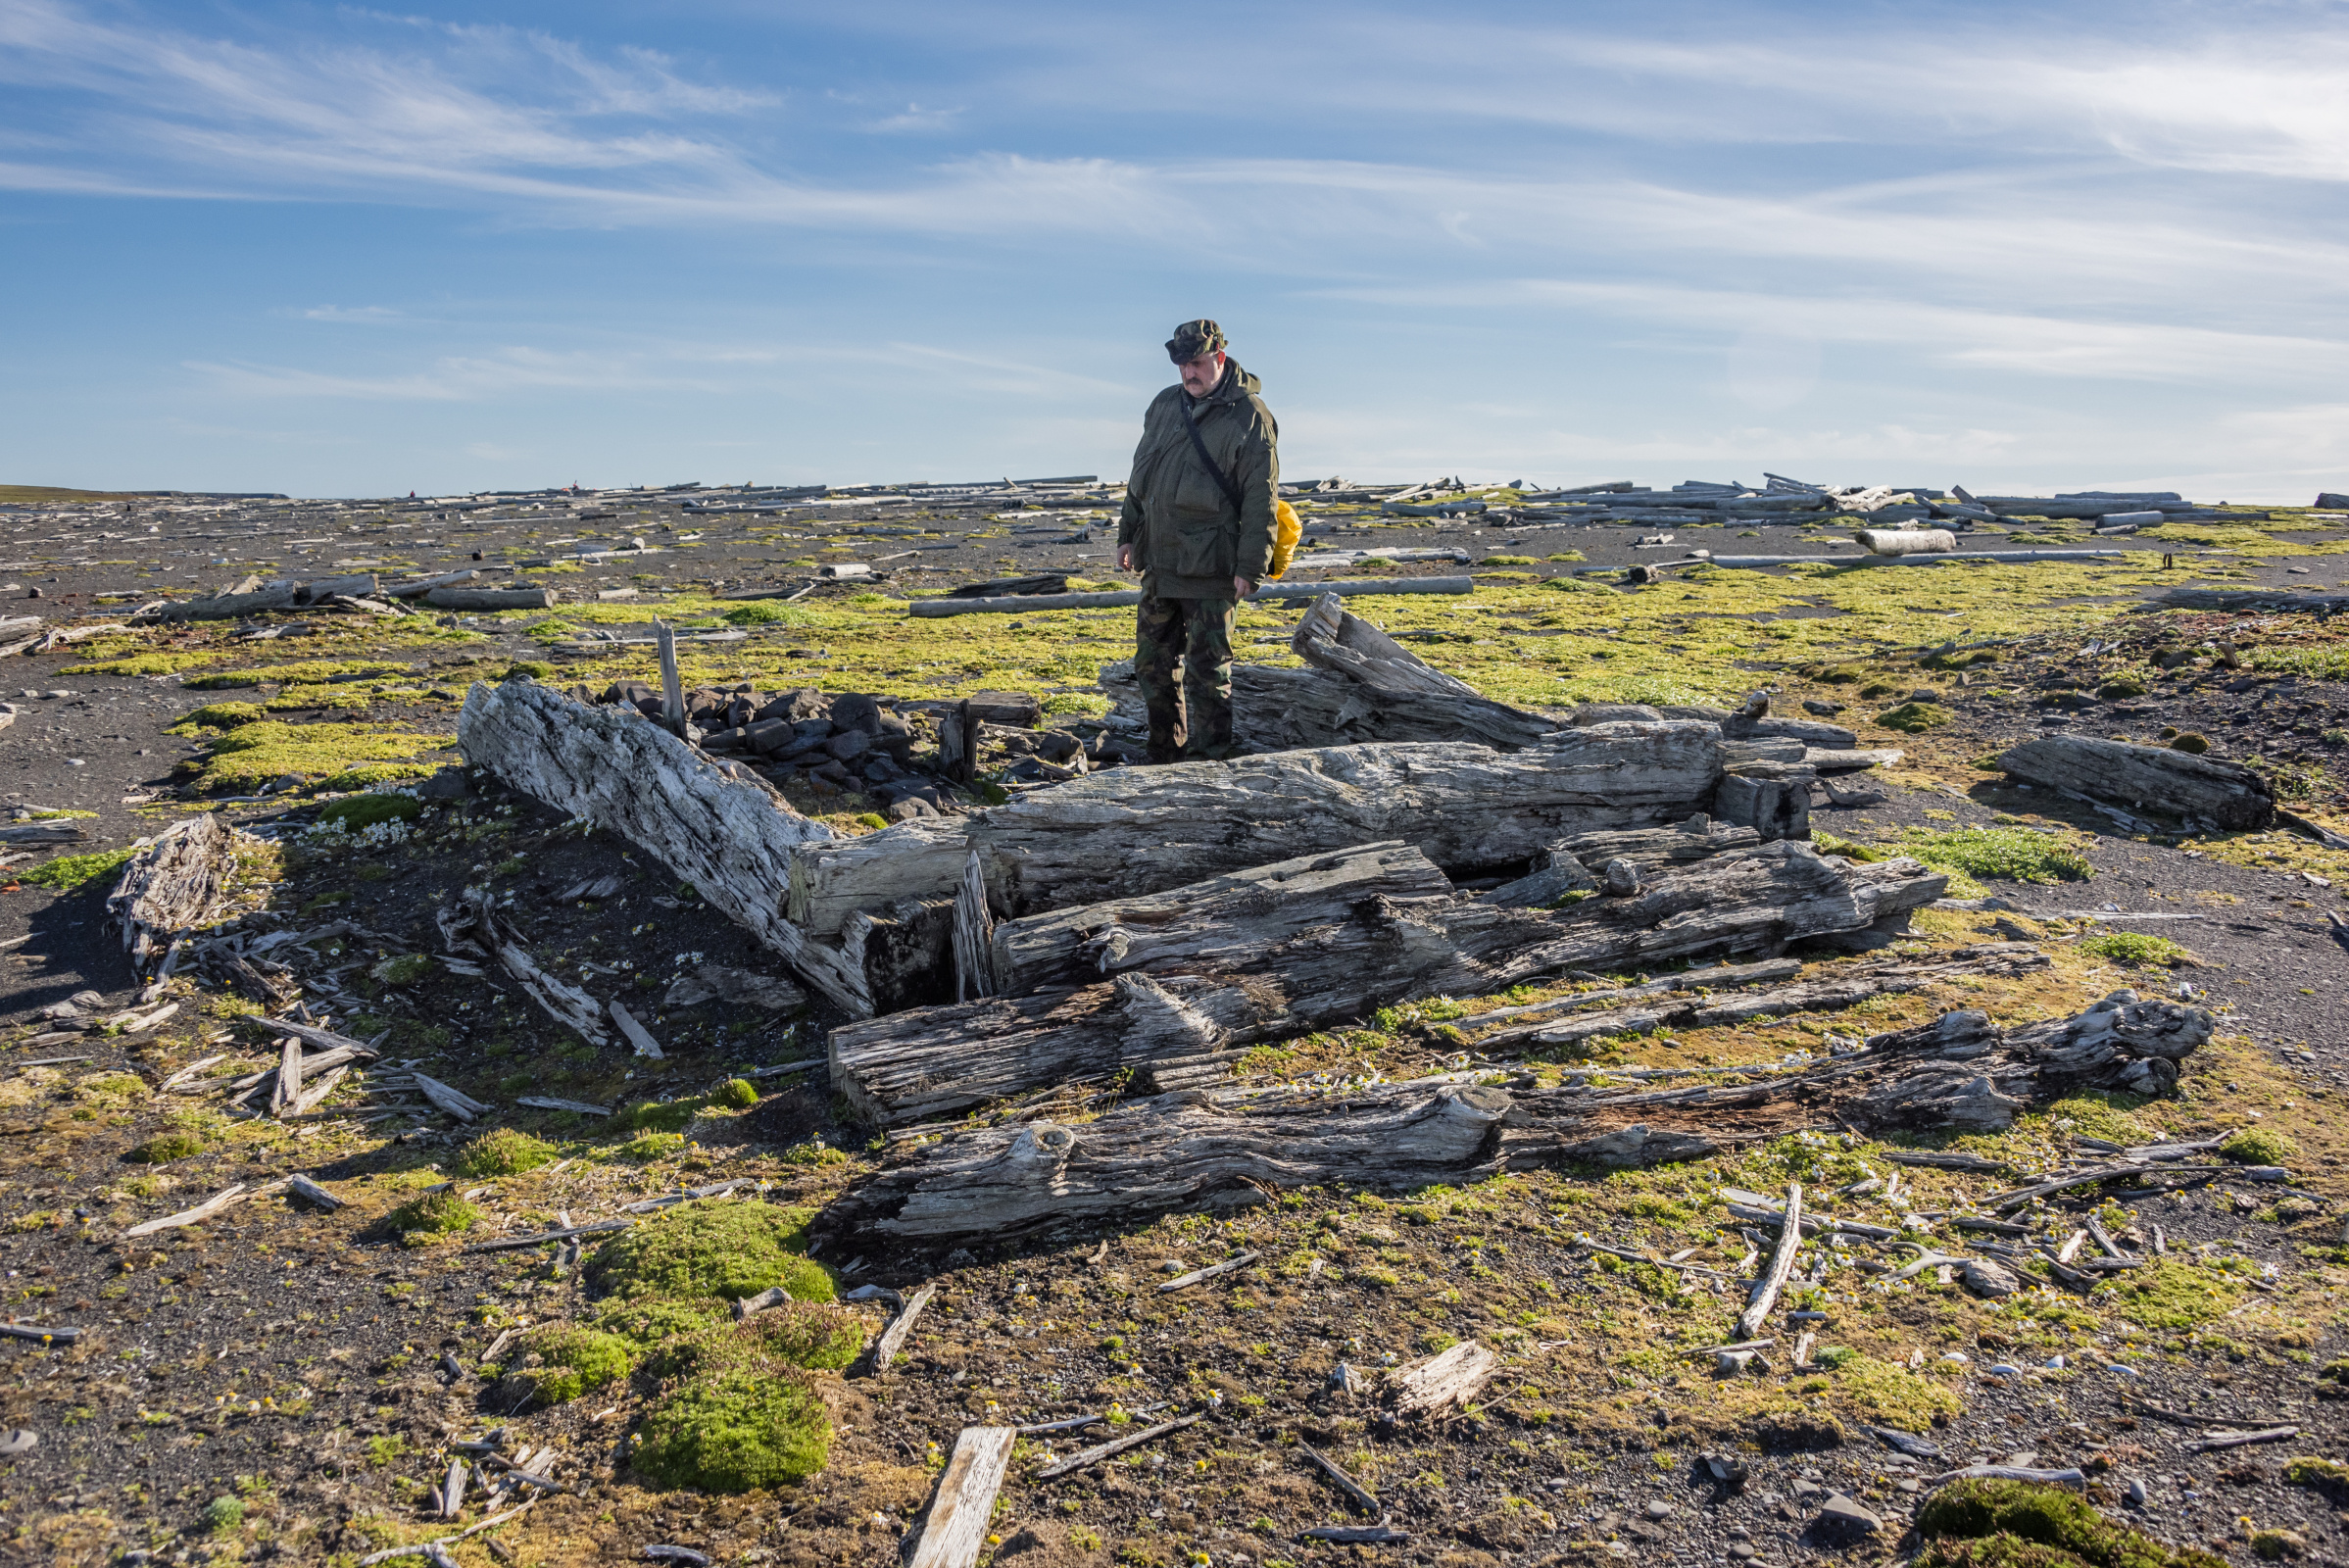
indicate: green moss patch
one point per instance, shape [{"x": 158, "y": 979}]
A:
[
  {"x": 645, "y": 1148},
  {"x": 757, "y": 613},
  {"x": 2259, "y": 1145},
  {"x": 2170, "y": 1293},
  {"x": 432, "y": 1216},
  {"x": 2135, "y": 948},
  {"x": 2000, "y": 1522},
  {"x": 69, "y": 871},
  {"x": 345, "y": 756},
  {"x": 1915, "y": 719},
  {"x": 650, "y": 1319},
  {"x": 815, "y": 1335},
  {"x": 156, "y": 663},
  {"x": 735, "y": 1094},
  {"x": 304, "y": 671},
  {"x": 165, "y": 1148},
  {"x": 712, "y": 1248},
  {"x": 569, "y": 1360},
  {"x": 735, "y": 1431},
  {"x": 2007, "y": 854},
  {"x": 220, "y": 715},
  {"x": 502, "y": 1152}
]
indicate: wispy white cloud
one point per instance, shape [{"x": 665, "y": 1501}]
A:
[{"x": 354, "y": 315}]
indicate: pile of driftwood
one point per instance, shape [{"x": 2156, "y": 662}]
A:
[
  {"x": 1207, "y": 1149},
  {"x": 1377, "y": 747}
]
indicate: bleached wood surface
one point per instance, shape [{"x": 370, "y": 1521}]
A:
[
  {"x": 173, "y": 883},
  {"x": 1145, "y": 830},
  {"x": 954, "y": 1532},
  {"x": 1206, "y": 1150},
  {"x": 1184, "y": 994},
  {"x": 2149, "y": 778},
  {"x": 718, "y": 825}
]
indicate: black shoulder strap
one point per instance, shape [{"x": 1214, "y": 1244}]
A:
[{"x": 1231, "y": 491}]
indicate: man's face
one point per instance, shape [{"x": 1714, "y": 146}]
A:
[{"x": 1200, "y": 375}]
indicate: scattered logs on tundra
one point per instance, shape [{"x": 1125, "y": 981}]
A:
[{"x": 1206, "y": 1150}]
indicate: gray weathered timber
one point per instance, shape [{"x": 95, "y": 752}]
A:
[
  {"x": 1330, "y": 638},
  {"x": 2149, "y": 778},
  {"x": 1145, "y": 830},
  {"x": 1845, "y": 988},
  {"x": 718, "y": 825},
  {"x": 954, "y": 1529},
  {"x": 1292, "y": 710},
  {"x": 1186, "y": 996},
  {"x": 1186, "y": 929},
  {"x": 172, "y": 884},
  {"x": 224, "y": 607},
  {"x": 1222, "y": 1149}
]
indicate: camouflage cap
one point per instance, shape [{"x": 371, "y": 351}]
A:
[{"x": 1193, "y": 339}]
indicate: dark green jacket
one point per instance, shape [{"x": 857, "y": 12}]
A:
[{"x": 1189, "y": 540}]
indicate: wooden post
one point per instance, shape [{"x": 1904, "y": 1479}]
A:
[
  {"x": 672, "y": 690},
  {"x": 956, "y": 1531},
  {"x": 974, "y": 936}
]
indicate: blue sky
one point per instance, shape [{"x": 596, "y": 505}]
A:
[{"x": 329, "y": 249}]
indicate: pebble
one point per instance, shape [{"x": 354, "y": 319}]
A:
[
  {"x": 1658, "y": 1509},
  {"x": 2136, "y": 1493},
  {"x": 1846, "y": 1513},
  {"x": 1739, "y": 1550},
  {"x": 1909, "y": 1484}
]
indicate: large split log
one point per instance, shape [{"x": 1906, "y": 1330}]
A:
[
  {"x": 716, "y": 824},
  {"x": 1201, "y": 1150},
  {"x": 1306, "y": 945},
  {"x": 1145, "y": 830},
  {"x": 2149, "y": 778},
  {"x": 172, "y": 884}
]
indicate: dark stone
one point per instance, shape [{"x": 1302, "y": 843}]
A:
[
  {"x": 849, "y": 745},
  {"x": 1057, "y": 746},
  {"x": 805, "y": 702},
  {"x": 769, "y": 736},
  {"x": 854, "y": 711},
  {"x": 449, "y": 784},
  {"x": 1842, "y": 1515}
]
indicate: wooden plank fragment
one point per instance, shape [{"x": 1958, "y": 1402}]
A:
[
  {"x": 892, "y": 1338},
  {"x": 189, "y": 1216},
  {"x": 1213, "y": 1271},
  {"x": 1087, "y": 1459},
  {"x": 1446, "y": 1379},
  {"x": 955, "y": 1529}
]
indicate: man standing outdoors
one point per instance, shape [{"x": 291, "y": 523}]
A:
[{"x": 1199, "y": 526}]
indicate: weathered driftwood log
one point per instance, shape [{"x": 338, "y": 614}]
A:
[
  {"x": 1288, "y": 709},
  {"x": 1906, "y": 540},
  {"x": 1145, "y": 830},
  {"x": 1200, "y": 1150},
  {"x": 1204, "y": 926},
  {"x": 172, "y": 884},
  {"x": 716, "y": 824},
  {"x": 418, "y": 587},
  {"x": 1191, "y": 988},
  {"x": 224, "y": 607},
  {"x": 490, "y": 598},
  {"x": 1845, "y": 987},
  {"x": 2151, "y": 778}
]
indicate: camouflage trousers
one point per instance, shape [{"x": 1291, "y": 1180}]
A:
[{"x": 1183, "y": 663}]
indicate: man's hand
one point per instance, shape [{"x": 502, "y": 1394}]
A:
[
  {"x": 1125, "y": 557},
  {"x": 1241, "y": 588}
]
